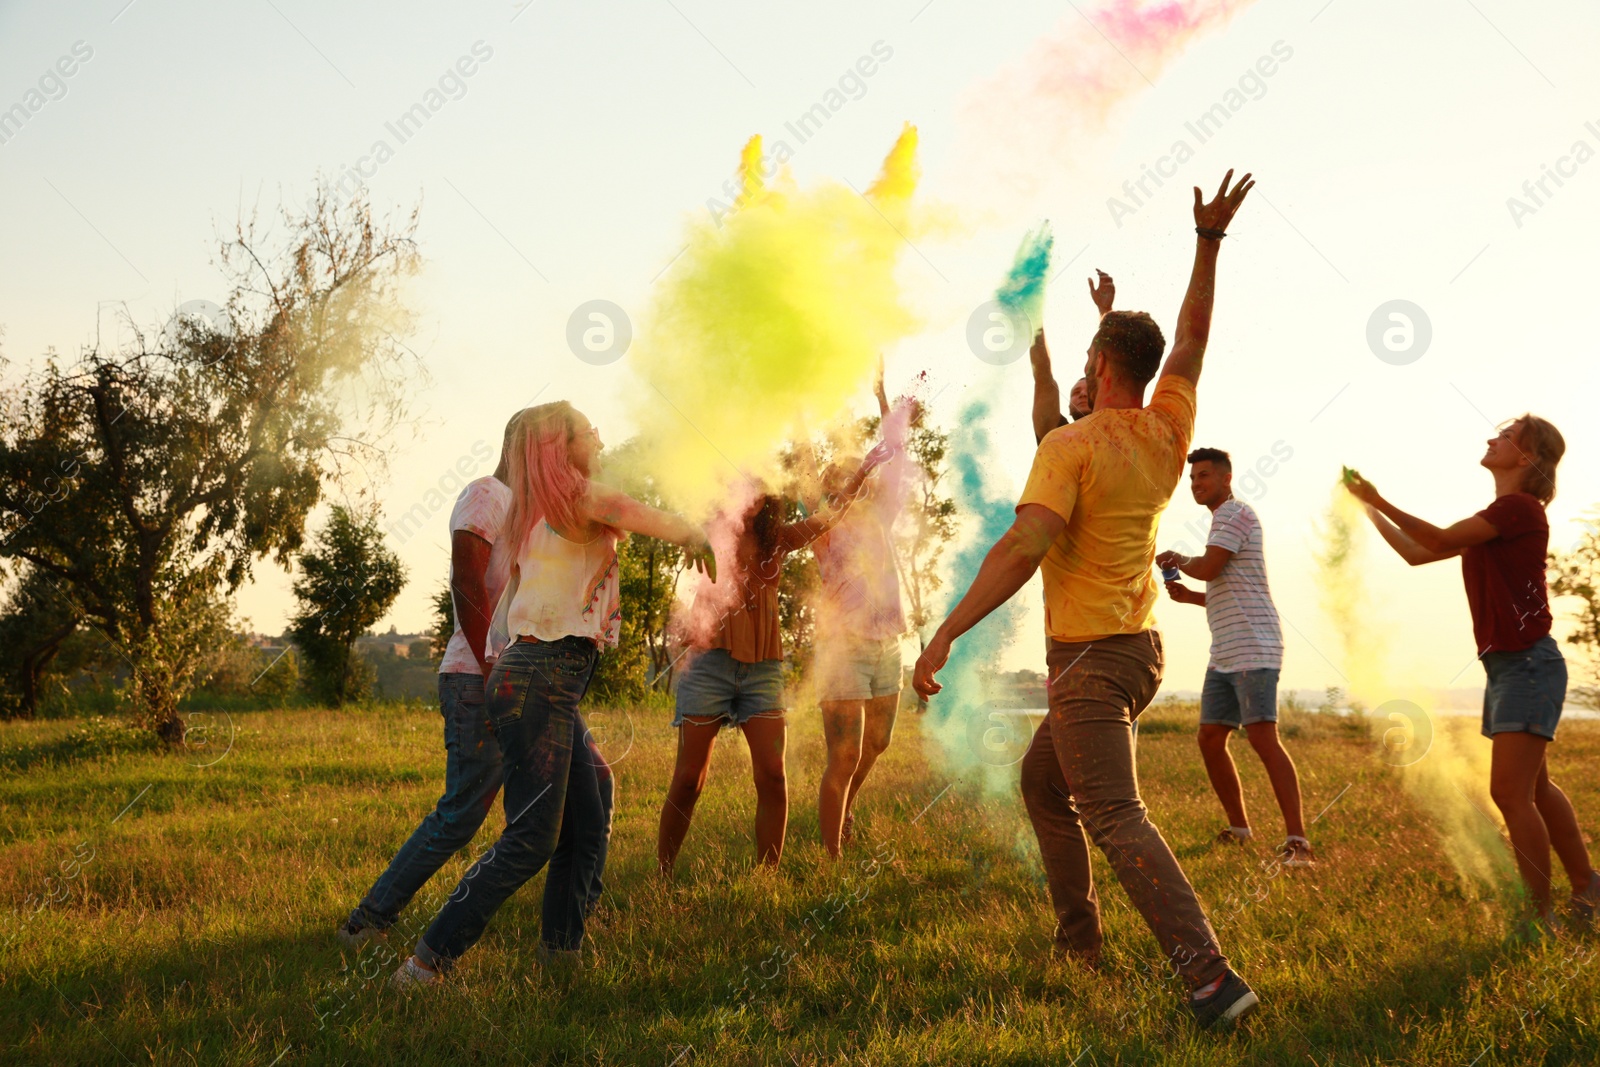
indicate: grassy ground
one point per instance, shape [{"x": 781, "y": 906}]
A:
[{"x": 158, "y": 909}]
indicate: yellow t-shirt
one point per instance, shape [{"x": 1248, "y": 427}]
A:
[{"x": 1109, "y": 475}]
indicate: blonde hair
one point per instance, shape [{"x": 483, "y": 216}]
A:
[{"x": 1543, "y": 446}]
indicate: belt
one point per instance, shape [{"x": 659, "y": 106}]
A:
[{"x": 530, "y": 639}]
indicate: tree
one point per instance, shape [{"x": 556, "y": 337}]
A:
[
  {"x": 927, "y": 525},
  {"x": 1576, "y": 573},
  {"x": 647, "y": 577},
  {"x": 34, "y": 627},
  {"x": 348, "y": 581},
  {"x": 444, "y": 621},
  {"x": 142, "y": 483}
]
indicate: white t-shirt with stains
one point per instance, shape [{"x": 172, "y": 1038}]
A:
[{"x": 479, "y": 510}]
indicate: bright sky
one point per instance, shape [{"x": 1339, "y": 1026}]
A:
[{"x": 1386, "y": 146}]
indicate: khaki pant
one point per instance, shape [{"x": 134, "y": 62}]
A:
[{"x": 1079, "y": 774}]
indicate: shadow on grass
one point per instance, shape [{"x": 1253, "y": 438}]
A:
[{"x": 92, "y": 738}]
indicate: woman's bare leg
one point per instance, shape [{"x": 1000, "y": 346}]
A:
[
  {"x": 767, "y": 738},
  {"x": 1513, "y": 777},
  {"x": 695, "y": 739}
]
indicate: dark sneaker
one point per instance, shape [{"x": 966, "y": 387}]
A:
[
  {"x": 1232, "y": 1001},
  {"x": 354, "y": 933},
  {"x": 1228, "y": 837},
  {"x": 1585, "y": 904}
]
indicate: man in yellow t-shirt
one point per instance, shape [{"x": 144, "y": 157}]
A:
[{"x": 1087, "y": 518}]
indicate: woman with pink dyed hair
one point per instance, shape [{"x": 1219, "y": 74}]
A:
[{"x": 557, "y": 553}]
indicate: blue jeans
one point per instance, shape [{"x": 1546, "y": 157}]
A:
[
  {"x": 555, "y": 811},
  {"x": 471, "y": 779}
]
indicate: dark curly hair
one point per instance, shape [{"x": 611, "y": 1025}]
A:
[
  {"x": 1133, "y": 343},
  {"x": 765, "y": 521}
]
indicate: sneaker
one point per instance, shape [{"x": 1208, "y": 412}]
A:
[
  {"x": 847, "y": 833},
  {"x": 355, "y": 933},
  {"x": 413, "y": 975},
  {"x": 1296, "y": 852},
  {"x": 1585, "y": 904},
  {"x": 1229, "y": 836},
  {"x": 1230, "y": 1002}
]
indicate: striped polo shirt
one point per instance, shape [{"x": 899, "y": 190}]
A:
[{"x": 1245, "y": 635}]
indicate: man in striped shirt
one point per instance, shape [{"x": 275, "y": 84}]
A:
[{"x": 1241, "y": 686}]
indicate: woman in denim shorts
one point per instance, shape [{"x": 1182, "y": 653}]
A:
[
  {"x": 734, "y": 675},
  {"x": 1502, "y": 550}
]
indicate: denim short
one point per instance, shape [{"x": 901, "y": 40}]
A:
[
  {"x": 857, "y": 668},
  {"x": 1526, "y": 690},
  {"x": 717, "y": 686},
  {"x": 1239, "y": 698}
]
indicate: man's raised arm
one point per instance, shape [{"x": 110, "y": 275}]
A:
[
  {"x": 1194, "y": 318},
  {"x": 1046, "y": 393}
]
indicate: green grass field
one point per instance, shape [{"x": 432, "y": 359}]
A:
[{"x": 159, "y": 911}]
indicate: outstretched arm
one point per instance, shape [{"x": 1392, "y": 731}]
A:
[
  {"x": 796, "y": 535},
  {"x": 1046, "y": 393},
  {"x": 1007, "y": 567},
  {"x": 1407, "y": 549},
  {"x": 616, "y": 508},
  {"x": 1428, "y": 542},
  {"x": 1194, "y": 318}
]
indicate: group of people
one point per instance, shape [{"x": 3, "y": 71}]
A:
[
  {"x": 536, "y": 596},
  {"x": 534, "y": 584}
]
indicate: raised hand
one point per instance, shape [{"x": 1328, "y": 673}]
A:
[
  {"x": 1361, "y": 489},
  {"x": 1039, "y": 352},
  {"x": 881, "y": 453},
  {"x": 1104, "y": 294},
  {"x": 1220, "y": 211}
]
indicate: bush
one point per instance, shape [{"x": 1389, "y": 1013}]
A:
[
  {"x": 95, "y": 737},
  {"x": 245, "y": 676}
]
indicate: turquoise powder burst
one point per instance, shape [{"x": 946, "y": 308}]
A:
[{"x": 1022, "y": 292}]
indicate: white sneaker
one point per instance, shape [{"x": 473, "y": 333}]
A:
[
  {"x": 413, "y": 975},
  {"x": 1296, "y": 852}
]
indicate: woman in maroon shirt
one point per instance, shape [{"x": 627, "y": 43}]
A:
[{"x": 1502, "y": 550}]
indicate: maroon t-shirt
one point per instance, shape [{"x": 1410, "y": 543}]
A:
[{"x": 1506, "y": 577}]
